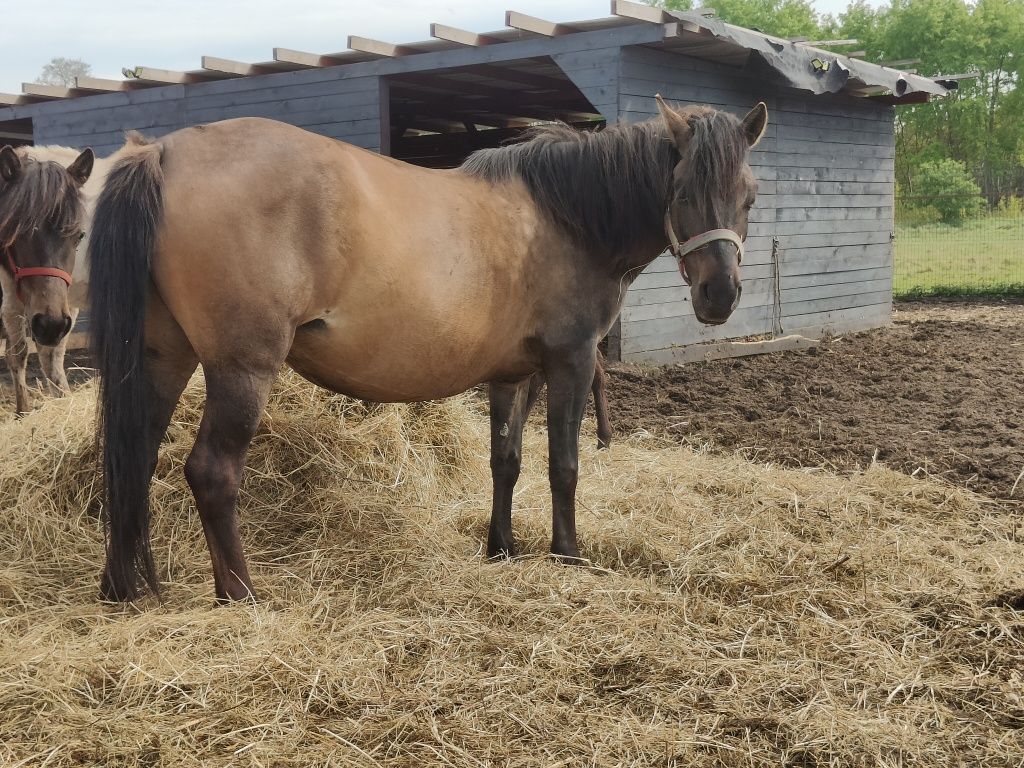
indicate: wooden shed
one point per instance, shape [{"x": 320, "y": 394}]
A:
[{"x": 819, "y": 253}]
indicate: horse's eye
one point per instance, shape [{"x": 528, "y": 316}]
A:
[{"x": 79, "y": 237}]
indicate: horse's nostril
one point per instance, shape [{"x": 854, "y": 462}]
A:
[{"x": 705, "y": 291}]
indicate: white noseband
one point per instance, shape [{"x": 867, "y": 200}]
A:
[{"x": 699, "y": 241}]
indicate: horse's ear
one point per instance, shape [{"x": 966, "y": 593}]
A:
[
  {"x": 10, "y": 164},
  {"x": 755, "y": 122},
  {"x": 677, "y": 126},
  {"x": 81, "y": 169}
]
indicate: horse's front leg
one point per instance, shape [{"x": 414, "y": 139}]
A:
[
  {"x": 570, "y": 374},
  {"x": 51, "y": 360},
  {"x": 17, "y": 351},
  {"x": 510, "y": 405}
]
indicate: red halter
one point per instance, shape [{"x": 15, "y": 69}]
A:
[{"x": 20, "y": 273}]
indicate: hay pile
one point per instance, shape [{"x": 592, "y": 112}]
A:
[{"x": 735, "y": 615}]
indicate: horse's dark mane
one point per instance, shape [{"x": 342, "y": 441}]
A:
[
  {"x": 42, "y": 195},
  {"x": 609, "y": 189}
]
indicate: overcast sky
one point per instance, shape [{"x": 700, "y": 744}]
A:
[{"x": 173, "y": 34}]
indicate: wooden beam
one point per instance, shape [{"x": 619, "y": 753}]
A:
[
  {"x": 831, "y": 43},
  {"x": 856, "y": 54},
  {"x": 460, "y": 36},
  {"x": 504, "y": 107},
  {"x": 721, "y": 350},
  {"x": 169, "y": 76},
  {"x": 673, "y": 24},
  {"x": 641, "y": 12},
  {"x": 304, "y": 59},
  {"x": 102, "y": 85},
  {"x": 890, "y": 98},
  {"x": 517, "y": 20},
  {"x": 507, "y": 74},
  {"x": 425, "y": 84},
  {"x": 12, "y": 99},
  {"x": 378, "y": 47},
  {"x": 234, "y": 68},
  {"x": 40, "y": 91},
  {"x": 955, "y": 78}
]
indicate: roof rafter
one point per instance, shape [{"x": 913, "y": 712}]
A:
[
  {"x": 630, "y": 10},
  {"x": 103, "y": 85},
  {"x": 40, "y": 91},
  {"x": 460, "y": 36},
  {"x": 12, "y": 99},
  {"x": 171, "y": 76},
  {"x": 521, "y": 21},
  {"x": 378, "y": 47},
  {"x": 234, "y": 68},
  {"x": 314, "y": 60}
]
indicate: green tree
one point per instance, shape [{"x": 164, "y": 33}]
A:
[{"x": 946, "y": 186}]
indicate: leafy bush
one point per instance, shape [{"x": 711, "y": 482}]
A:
[{"x": 946, "y": 186}]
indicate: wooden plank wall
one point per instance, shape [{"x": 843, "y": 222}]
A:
[
  {"x": 343, "y": 108},
  {"x": 824, "y": 170}
]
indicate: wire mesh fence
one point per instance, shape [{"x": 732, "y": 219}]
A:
[{"x": 958, "y": 245}]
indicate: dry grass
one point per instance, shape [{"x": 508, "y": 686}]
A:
[{"x": 736, "y": 614}]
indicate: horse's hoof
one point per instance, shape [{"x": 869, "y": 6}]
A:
[
  {"x": 574, "y": 560},
  {"x": 567, "y": 555},
  {"x": 239, "y": 592},
  {"x": 501, "y": 552}
]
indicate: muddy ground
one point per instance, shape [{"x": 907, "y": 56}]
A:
[{"x": 941, "y": 392}]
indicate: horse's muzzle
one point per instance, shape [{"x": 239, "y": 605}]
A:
[
  {"x": 714, "y": 300},
  {"x": 48, "y": 330}
]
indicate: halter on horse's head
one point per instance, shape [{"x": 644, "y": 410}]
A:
[
  {"x": 713, "y": 190},
  {"x": 40, "y": 229}
]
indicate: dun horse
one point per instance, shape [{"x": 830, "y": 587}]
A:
[
  {"x": 41, "y": 220},
  {"x": 43, "y": 200},
  {"x": 248, "y": 244}
]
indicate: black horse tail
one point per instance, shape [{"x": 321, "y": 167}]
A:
[{"x": 124, "y": 232}]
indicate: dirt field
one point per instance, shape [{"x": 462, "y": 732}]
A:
[{"x": 940, "y": 392}]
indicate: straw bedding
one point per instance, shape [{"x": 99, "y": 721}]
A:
[{"x": 735, "y": 614}]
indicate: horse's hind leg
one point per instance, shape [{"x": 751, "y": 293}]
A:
[
  {"x": 604, "y": 427},
  {"x": 510, "y": 404},
  {"x": 51, "y": 360},
  {"x": 237, "y": 389},
  {"x": 17, "y": 354}
]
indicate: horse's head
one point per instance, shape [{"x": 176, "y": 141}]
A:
[
  {"x": 713, "y": 190},
  {"x": 40, "y": 228}
]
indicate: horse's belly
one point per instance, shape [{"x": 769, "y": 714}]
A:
[{"x": 401, "y": 366}]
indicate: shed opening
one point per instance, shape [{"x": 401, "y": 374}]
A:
[{"x": 437, "y": 119}]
